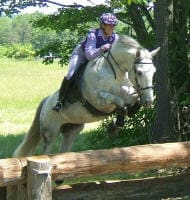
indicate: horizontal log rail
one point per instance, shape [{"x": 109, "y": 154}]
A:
[
  {"x": 129, "y": 159},
  {"x": 134, "y": 189}
]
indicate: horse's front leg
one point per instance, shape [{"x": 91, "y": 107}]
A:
[
  {"x": 48, "y": 137},
  {"x": 110, "y": 98}
]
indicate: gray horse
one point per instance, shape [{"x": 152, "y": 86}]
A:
[{"x": 111, "y": 81}]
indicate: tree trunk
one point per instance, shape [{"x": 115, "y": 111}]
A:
[
  {"x": 138, "y": 23},
  {"x": 179, "y": 46},
  {"x": 163, "y": 128}
]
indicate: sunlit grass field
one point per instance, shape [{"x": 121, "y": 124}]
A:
[{"x": 22, "y": 85}]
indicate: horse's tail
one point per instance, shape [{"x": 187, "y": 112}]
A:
[{"x": 32, "y": 138}]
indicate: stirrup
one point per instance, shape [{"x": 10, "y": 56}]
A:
[{"x": 57, "y": 107}]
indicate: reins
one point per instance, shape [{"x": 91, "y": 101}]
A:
[
  {"x": 137, "y": 62},
  {"x": 107, "y": 59},
  {"x": 138, "y": 89}
]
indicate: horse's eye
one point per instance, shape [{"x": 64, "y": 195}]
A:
[{"x": 139, "y": 73}]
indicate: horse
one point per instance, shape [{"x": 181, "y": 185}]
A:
[{"x": 115, "y": 79}]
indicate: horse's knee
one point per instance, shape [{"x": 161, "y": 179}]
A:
[{"x": 48, "y": 137}]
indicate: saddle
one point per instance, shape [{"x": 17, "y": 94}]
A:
[{"x": 75, "y": 94}]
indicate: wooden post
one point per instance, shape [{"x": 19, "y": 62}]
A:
[
  {"x": 16, "y": 192},
  {"x": 39, "y": 178}
]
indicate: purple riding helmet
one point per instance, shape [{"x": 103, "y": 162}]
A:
[{"x": 108, "y": 18}]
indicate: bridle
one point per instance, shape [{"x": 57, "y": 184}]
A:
[
  {"x": 139, "y": 89},
  {"x": 137, "y": 62}
]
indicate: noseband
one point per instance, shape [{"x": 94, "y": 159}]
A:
[{"x": 139, "y": 89}]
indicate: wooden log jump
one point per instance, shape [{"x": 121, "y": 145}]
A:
[
  {"x": 13, "y": 171},
  {"x": 132, "y": 189}
]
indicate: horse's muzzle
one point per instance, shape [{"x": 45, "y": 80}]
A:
[{"x": 147, "y": 103}]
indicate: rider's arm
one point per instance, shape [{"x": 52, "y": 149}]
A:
[{"x": 91, "y": 51}]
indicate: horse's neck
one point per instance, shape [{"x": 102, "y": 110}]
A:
[{"x": 124, "y": 58}]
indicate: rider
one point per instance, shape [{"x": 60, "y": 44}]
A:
[{"x": 97, "y": 42}]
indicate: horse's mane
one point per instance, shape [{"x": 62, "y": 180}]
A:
[{"x": 128, "y": 41}]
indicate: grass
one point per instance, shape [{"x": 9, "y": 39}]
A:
[{"x": 23, "y": 85}]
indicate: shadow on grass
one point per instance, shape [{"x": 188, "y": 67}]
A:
[
  {"x": 8, "y": 143},
  {"x": 84, "y": 141},
  {"x": 88, "y": 140}
]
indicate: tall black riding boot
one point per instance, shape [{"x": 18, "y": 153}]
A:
[{"x": 62, "y": 93}]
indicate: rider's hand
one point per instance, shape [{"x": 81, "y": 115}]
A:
[{"x": 105, "y": 47}]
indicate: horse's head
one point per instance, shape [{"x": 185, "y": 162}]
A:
[{"x": 141, "y": 75}]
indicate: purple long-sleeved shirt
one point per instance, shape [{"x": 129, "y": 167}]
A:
[{"x": 91, "y": 48}]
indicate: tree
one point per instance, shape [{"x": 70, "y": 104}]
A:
[
  {"x": 22, "y": 28},
  {"x": 162, "y": 130},
  {"x": 172, "y": 23},
  {"x": 6, "y": 33},
  {"x": 138, "y": 16},
  {"x": 179, "y": 67},
  {"x": 180, "y": 44},
  {"x": 9, "y": 7}
]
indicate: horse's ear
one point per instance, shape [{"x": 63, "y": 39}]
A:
[{"x": 155, "y": 51}]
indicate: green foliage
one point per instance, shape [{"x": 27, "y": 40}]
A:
[
  {"x": 60, "y": 47},
  {"x": 128, "y": 2},
  {"x": 15, "y": 30},
  {"x": 71, "y": 30},
  {"x": 10, "y": 7},
  {"x": 19, "y": 51},
  {"x": 21, "y": 39},
  {"x": 6, "y": 34},
  {"x": 136, "y": 131},
  {"x": 71, "y": 18},
  {"x": 3, "y": 51}
]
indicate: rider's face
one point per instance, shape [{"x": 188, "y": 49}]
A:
[{"x": 108, "y": 29}]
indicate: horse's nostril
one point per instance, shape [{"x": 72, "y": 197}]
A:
[{"x": 147, "y": 103}]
